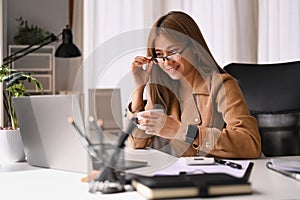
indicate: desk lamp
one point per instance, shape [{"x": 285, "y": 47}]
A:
[{"x": 67, "y": 49}]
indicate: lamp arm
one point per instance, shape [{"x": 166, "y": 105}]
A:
[{"x": 28, "y": 49}]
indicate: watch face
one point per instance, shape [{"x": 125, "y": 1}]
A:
[{"x": 191, "y": 134}]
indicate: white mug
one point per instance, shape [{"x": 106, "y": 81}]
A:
[{"x": 151, "y": 110}]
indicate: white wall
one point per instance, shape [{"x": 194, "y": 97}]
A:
[{"x": 49, "y": 14}]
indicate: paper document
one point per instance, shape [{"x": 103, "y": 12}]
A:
[
  {"x": 286, "y": 164},
  {"x": 180, "y": 166}
]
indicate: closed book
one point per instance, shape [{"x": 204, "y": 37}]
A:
[{"x": 192, "y": 185}]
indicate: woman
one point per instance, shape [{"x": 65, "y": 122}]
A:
[{"x": 205, "y": 112}]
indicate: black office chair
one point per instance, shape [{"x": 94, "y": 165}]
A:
[{"x": 272, "y": 92}]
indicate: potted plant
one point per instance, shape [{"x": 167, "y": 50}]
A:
[
  {"x": 29, "y": 34},
  {"x": 11, "y": 146}
]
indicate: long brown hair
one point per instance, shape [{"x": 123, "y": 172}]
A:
[{"x": 180, "y": 27}]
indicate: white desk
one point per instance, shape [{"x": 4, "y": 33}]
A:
[{"x": 21, "y": 181}]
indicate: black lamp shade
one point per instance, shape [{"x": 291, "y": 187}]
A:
[{"x": 67, "y": 49}]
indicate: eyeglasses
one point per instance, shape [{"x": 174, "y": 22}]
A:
[{"x": 174, "y": 56}]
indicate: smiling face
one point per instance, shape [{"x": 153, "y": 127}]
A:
[{"x": 173, "y": 58}]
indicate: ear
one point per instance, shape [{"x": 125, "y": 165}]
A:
[{"x": 196, "y": 53}]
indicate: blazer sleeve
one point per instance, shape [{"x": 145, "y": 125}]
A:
[
  {"x": 239, "y": 137},
  {"x": 138, "y": 139}
]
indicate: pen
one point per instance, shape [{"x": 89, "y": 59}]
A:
[
  {"x": 97, "y": 128},
  {"x": 99, "y": 132},
  {"x": 293, "y": 175},
  {"x": 229, "y": 163},
  {"x": 84, "y": 139}
]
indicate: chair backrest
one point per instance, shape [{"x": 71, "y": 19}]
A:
[{"x": 273, "y": 96}]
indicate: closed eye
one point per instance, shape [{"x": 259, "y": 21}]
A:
[{"x": 159, "y": 54}]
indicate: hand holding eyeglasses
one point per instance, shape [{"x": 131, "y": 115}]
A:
[{"x": 141, "y": 68}]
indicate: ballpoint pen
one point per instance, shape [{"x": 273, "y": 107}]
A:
[{"x": 228, "y": 163}]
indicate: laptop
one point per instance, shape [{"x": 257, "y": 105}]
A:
[
  {"x": 105, "y": 104},
  {"x": 50, "y": 141}
]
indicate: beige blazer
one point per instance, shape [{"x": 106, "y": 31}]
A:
[{"x": 218, "y": 108}]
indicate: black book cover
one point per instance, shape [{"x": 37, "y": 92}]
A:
[{"x": 192, "y": 185}]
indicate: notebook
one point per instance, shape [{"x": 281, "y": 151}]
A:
[
  {"x": 192, "y": 185},
  {"x": 50, "y": 141},
  {"x": 105, "y": 104}
]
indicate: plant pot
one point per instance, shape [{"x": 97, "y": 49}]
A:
[{"x": 11, "y": 146}]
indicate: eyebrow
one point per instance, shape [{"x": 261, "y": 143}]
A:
[{"x": 174, "y": 46}]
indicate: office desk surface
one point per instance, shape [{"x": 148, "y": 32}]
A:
[{"x": 21, "y": 181}]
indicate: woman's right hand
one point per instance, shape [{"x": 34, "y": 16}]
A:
[{"x": 141, "y": 68}]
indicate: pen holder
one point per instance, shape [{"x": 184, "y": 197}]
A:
[
  {"x": 108, "y": 155},
  {"x": 109, "y": 162},
  {"x": 103, "y": 145}
]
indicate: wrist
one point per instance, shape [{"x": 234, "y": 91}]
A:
[{"x": 139, "y": 88}]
